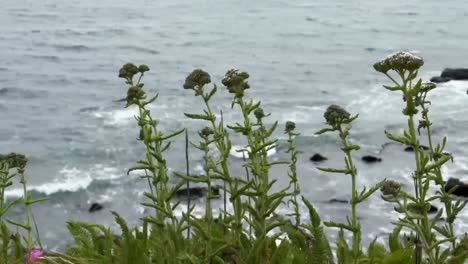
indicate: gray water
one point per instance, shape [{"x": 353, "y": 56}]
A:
[{"x": 59, "y": 91}]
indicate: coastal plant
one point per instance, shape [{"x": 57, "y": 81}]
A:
[
  {"x": 255, "y": 231},
  {"x": 339, "y": 120},
  {"x": 434, "y": 243},
  {"x": 15, "y": 245}
]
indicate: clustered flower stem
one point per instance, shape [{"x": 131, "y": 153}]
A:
[
  {"x": 290, "y": 126},
  {"x": 428, "y": 165},
  {"x": 196, "y": 81}
]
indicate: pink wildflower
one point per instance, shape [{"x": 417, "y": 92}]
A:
[{"x": 35, "y": 255}]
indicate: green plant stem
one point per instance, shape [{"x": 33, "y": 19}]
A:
[
  {"x": 220, "y": 136},
  {"x": 438, "y": 174},
  {"x": 293, "y": 176},
  {"x": 259, "y": 176},
  {"x": 29, "y": 242},
  {"x": 425, "y": 233},
  {"x": 352, "y": 170}
]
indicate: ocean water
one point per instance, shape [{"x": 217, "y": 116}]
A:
[{"x": 59, "y": 92}]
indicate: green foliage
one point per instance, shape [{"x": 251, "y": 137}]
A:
[{"x": 254, "y": 232}]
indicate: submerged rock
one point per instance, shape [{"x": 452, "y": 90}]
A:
[
  {"x": 421, "y": 147},
  {"x": 196, "y": 192},
  {"x": 449, "y": 74},
  {"x": 336, "y": 200},
  {"x": 317, "y": 157},
  {"x": 193, "y": 192},
  {"x": 370, "y": 159},
  {"x": 95, "y": 207},
  {"x": 461, "y": 190},
  {"x": 438, "y": 79},
  {"x": 455, "y": 73}
]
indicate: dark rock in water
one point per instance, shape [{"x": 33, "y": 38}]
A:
[
  {"x": 421, "y": 147},
  {"x": 370, "y": 159},
  {"x": 455, "y": 73},
  {"x": 215, "y": 190},
  {"x": 193, "y": 192},
  {"x": 461, "y": 190},
  {"x": 317, "y": 157},
  {"x": 89, "y": 109},
  {"x": 196, "y": 192},
  {"x": 438, "y": 79},
  {"x": 335, "y": 200},
  {"x": 95, "y": 207},
  {"x": 433, "y": 209}
]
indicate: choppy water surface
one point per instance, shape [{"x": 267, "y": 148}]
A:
[{"x": 59, "y": 90}]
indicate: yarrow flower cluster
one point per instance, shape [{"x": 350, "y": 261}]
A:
[
  {"x": 129, "y": 70},
  {"x": 14, "y": 160},
  {"x": 399, "y": 61},
  {"x": 206, "y": 132},
  {"x": 196, "y": 80},
  {"x": 259, "y": 114},
  {"x": 335, "y": 115},
  {"x": 236, "y": 82},
  {"x": 391, "y": 188},
  {"x": 289, "y": 127}
]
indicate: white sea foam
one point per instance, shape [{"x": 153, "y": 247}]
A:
[
  {"x": 117, "y": 117},
  {"x": 235, "y": 152},
  {"x": 71, "y": 180}
]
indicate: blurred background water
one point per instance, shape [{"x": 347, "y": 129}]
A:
[{"x": 59, "y": 91}]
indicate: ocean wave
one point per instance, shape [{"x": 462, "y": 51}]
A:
[
  {"x": 117, "y": 117},
  {"x": 139, "y": 49},
  {"x": 71, "y": 180},
  {"x": 23, "y": 93},
  {"x": 71, "y": 47}
]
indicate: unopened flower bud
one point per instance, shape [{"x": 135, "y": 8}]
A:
[
  {"x": 128, "y": 71},
  {"x": 259, "y": 114},
  {"x": 206, "y": 132},
  {"x": 197, "y": 78},
  {"x": 290, "y": 126},
  {"x": 14, "y": 160},
  {"x": 390, "y": 188},
  {"x": 335, "y": 115},
  {"x": 143, "y": 68},
  {"x": 236, "y": 82}
]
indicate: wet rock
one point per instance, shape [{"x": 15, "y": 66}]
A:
[
  {"x": 215, "y": 189},
  {"x": 193, "y": 192},
  {"x": 462, "y": 189},
  {"x": 88, "y": 109},
  {"x": 421, "y": 147},
  {"x": 336, "y": 200},
  {"x": 196, "y": 192},
  {"x": 455, "y": 73},
  {"x": 317, "y": 158},
  {"x": 433, "y": 209},
  {"x": 371, "y": 159},
  {"x": 95, "y": 207},
  {"x": 438, "y": 79}
]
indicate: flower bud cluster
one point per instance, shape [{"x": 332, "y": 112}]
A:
[
  {"x": 399, "y": 61},
  {"x": 236, "y": 82},
  {"x": 196, "y": 80},
  {"x": 335, "y": 115},
  {"x": 14, "y": 160}
]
